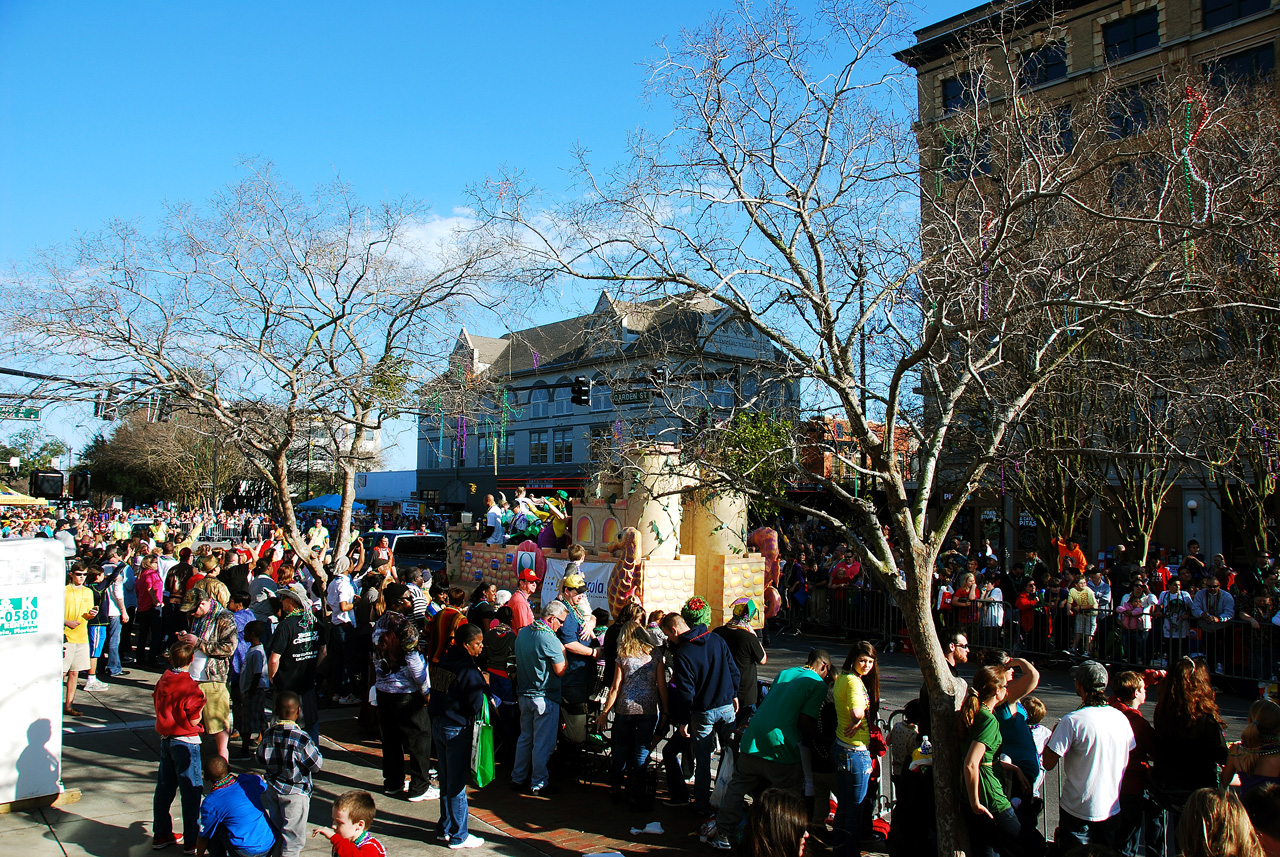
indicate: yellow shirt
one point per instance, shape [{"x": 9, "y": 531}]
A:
[
  {"x": 1082, "y": 599},
  {"x": 851, "y": 693},
  {"x": 79, "y": 601}
]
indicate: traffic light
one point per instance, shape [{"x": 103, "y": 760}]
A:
[
  {"x": 79, "y": 485},
  {"x": 46, "y": 484},
  {"x": 106, "y": 406},
  {"x": 659, "y": 377},
  {"x": 581, "y": 391}
]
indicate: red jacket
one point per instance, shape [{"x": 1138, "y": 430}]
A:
[
  {"x": 346, "y": 848},
  {"x": 1138, "y": 771},
  {"x": 179, "y": 701}
]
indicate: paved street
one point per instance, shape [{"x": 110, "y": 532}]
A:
[{"x": 110, "y": 755}]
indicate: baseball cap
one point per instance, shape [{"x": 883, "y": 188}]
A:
[
  {"x": 394, "y": 593},
  {"x": 529, "y": 575},
  {"x": 194, "y": 598},
  {"x": 1091, "y": 675},
  {"x": 574, "y": 581}
]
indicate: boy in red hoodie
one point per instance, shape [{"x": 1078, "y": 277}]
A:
[{"x": 179, "y": 702}]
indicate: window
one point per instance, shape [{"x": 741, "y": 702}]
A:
[
  {"x": 1136, "y": 182},
  {"x": 537, "y": 447},
  {"x": 563, "y": 397},
  {"x": 1044, "y": 64},
  {"x": 965, "y": 158},
  {"x": 601, "y": 394},
  {"x": 1131, "y": 35},
  {"x": 486, "y": 454},
  {"x": 458, "y": 451},
  {"x": 722, "y": 395},
  {"x": 1130, "y": 113},
  {"x": 961, "y": 92},
  {"x": 502, "y": 446},
  {"x": 562, "y": 446},
  {"x": 1220, "y": 12},
  {"x": 538, "y": 399},
  {"x": 1244, "y": 68}
]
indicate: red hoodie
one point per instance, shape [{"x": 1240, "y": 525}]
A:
[{"x": 179, "y": 701}]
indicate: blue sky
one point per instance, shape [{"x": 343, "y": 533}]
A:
[{"x": 110, "y": 109}]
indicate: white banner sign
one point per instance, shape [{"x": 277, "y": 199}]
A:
[{"x": 596, "y": 574}]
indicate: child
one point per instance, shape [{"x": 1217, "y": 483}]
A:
[
  {"x": 1040, "y": 734},
  {"x": 253, "y": 686},
  {"x": 290, "y": 758},
  {"x": 229, "y": 821},
  {"x": 352, "y": 815},
  {"x": 179, "y": 703}
]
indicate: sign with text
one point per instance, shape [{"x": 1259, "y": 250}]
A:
[
  {"x": 632, "y": 397},
  {"x": 18, "y": 616},
  {"x": 17, "y": 412}
]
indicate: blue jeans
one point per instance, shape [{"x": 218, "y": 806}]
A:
[
  {"x": 113, "y": 646},
  {"x": 453, "y": 743},
  {"x": 179, "y": 772},
  {"x": 853, "y": 772},
  {"x": 539, "y": 724},
  {"x": 631, "y": 736},
  {"x": 702, "y": 729}
]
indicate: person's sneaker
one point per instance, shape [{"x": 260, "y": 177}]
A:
[
  {"x": 188, "y": 849},
  {"x": 165, "y": 841},
  {"x": 432, "y": 793},
  {"x": 95, "y": 684},
  {"x": 544, "y": 790},
  {"x": 472, "y": 841},
  {"x": 442, "y": 837},
  {"x": 349, "y": 699},
  {"x": 392, "y": 791},
  {"x": 119, "y": 674},
  {"x": 720, "y": 842}
]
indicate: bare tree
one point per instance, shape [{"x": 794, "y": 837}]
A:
[
  {"x": 780, "y": 195},
  {"x": 269, "y": 312}
]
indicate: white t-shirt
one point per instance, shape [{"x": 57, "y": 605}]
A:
[
  {"x": 340, "y": 590},
  {"x": 494, "y": 519},
  {"x": 1093, "y": 743}
]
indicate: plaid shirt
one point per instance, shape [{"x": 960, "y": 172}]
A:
[{"x": 290, "y": 757}]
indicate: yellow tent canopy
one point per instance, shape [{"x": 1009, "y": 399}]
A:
[{"x": 9, "y": 497}]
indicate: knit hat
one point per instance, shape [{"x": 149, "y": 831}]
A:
[{"x": 696, "y": 611}]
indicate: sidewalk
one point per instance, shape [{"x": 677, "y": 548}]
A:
[{"x": 110, "y": 756}]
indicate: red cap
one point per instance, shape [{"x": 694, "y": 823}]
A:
[{"x": 529, "y": 574}]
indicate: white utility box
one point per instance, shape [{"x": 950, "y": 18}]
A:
[{"x": 32, "y": 582}]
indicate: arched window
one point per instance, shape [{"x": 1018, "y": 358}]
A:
[
  {"x": 601, "y": 394},
  {"x": 562, "y": 396},
  {"x": 538, "y": 398}
]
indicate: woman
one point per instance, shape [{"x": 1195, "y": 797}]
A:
[
  {"x": 1255, "y": 758},
  {"x": 453, "y": 713},
  {"x": 400, "y": 683},
  {"x": 481, "y": 611},
  {"x": 638, "y": 688},
  {"x": 962, "y": 602},
  {"x": 1175, "y": 607},
  {"x": 857, "y": 696},
  {"x": 994, "y": 827},
  {"x": 1215, "y": 824},
  {"x": 775, "y": 826},
  {"x": 1015, "y": 730},
  {"x": 1189, "y": 741},
  {"x": 1136, "y": 609}
]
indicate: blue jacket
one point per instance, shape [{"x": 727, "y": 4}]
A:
[
  {"x": 461, "y": 701},
  {"x": 704, "y": 674}
]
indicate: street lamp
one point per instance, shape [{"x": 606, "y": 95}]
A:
[{"x": 1192, "y": 506}]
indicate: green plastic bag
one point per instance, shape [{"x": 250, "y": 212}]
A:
[{"x": 482, "y": 748}]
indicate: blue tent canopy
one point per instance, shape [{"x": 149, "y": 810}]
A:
[{"x": 327, "y": 503}]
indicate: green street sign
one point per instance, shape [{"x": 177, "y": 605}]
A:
[{"x": 16, "y": 412}]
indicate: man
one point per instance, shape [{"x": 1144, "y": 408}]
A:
[
  {"x": 704, "y": 686},
  {"x": 770, "y": 754},
  {"x": 1093, "y": 743},
  {"x": 295, "y": 645},
  {"x": 955, "y": 651},
  {"x": 1070, "y": 551},
  {"x": 1135, "y": 824},
  {"x": 493, "y": 522},
  {"x": 844, "y": 571},
  {"x": 262, "y": 591},
  {"x": 343, "y": 652},
  {"x": 1194, "y": 560},
  {"x": 417, "y": 583},
  {"x": 1253, "y": 581},
  {"x": 318, "y": 536},
  {"x": 540, "y": 663},
  {"x": 214, "y": 636},
  {"x": 98, "y": 626},
  {"x": 1214, "y": 608},
  {"x": 77, "y": 610},
  {"x": 116, "y": 609},
  {"x": 521, "y": 611},
  {"x": 747, "y": 653},
  {"x": 68, "y": 539}
]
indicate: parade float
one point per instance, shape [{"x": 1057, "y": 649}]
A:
[{"x": 655, "y": 536}]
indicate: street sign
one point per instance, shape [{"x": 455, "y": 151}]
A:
[
  {"x": 17, "y": 412},
  {"x": 632, "y": 397}
]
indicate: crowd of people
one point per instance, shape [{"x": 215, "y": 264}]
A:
[{"x": 253, "y": 641}]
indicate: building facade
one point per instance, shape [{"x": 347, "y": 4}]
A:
[{"x": 655, "y": 369}]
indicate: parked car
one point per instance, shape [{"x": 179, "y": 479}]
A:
[{"x": 425, "y": 550}]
